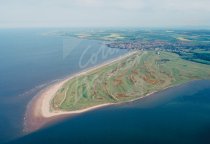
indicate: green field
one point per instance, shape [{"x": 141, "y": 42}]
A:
[{"x": 127, "y": 79}]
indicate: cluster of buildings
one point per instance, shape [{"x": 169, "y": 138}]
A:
[{"x": 177, "y": 46}]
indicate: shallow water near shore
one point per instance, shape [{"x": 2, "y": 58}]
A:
[
  {"x": 175, "y": 115},
  {"x": 30, "y": 60}
]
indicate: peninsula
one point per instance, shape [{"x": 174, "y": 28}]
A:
[{"x": 124, "y": 79}]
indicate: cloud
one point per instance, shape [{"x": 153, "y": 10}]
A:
[
  {"x": 109, "y": 4},
  {"x": 104, "y": 12}
]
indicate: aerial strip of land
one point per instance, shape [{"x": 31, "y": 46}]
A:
[{"x": 127, "y": 78}]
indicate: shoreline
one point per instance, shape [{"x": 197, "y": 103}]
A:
[
  {"x": 38, "y": 120},
  {"x": 38, "y": 112}
]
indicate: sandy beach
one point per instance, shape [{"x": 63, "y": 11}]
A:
[{"x": 38, "y": 112}]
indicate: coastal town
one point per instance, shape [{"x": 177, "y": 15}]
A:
[{"x": 189, "y": 45}]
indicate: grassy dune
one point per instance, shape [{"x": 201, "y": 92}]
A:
[{"x": 127, "y": 79}]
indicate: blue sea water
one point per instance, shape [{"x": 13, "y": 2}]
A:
[
  {"x": 178, "y": 115},
  {"x": 30, "y": 60}
]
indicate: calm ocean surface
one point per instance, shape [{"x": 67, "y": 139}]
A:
[{"x": 29, "y": 61}]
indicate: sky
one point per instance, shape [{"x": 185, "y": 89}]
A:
[{"x": 104, "y": 13}]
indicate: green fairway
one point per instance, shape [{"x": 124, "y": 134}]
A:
[{"x": 130, "y": 78}]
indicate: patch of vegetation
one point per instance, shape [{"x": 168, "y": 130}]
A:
[{"x": 128, "y": 79}]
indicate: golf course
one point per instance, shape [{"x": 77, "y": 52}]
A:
[{"x": 130, "y": 78}]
